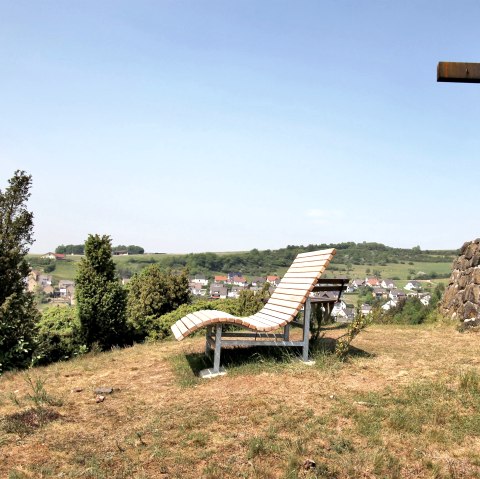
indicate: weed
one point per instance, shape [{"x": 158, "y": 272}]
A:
[
  {"x": 27, "y": 421},
  {"x": 470, "y": 381},
  {"x": 341, "y": 445},
  {"x": 255, "y": 446},
  {"x": 15, "y": 474},
  {"x": 212, "y": 471},
  {"x": 386, "y": 465},
  {"x": 293, "y": 465},
  {"x": 15, "y": 399},
  {"x": 38, "y": 394},
  {"x": 198, "y": 438}
]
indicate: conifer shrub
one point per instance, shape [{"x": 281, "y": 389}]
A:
[
  {"x": 58, "y": 336},
  {"x": 101, "y": 299}
]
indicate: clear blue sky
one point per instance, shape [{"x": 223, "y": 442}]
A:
[{"x": 187, "y": 126}]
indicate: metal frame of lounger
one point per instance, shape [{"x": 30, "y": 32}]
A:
[{"x": 281, "y": 310}]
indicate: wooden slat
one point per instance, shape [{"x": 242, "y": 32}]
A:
[
  {"x": 263, "y": 321},
  {"x": 308, "y": 269},
  {"x": 312, "y": 275},
  {"x": 277, "y": 324},
  {"x": 191, "y": 326},
  {"x": 257, "y": 323},
  {"x": 301, "y": 286},
  {"x": 214, "y": 314},
  {"x": 280, "y": 294},
  {"x": 309, "y": 259},
  {"x": 203, "y": 317},
  {"x": 176, "y": 332},
  {"x": 282, "y": 302},
  {"x": 313, "y": 253},
  {"x": 280, "y": 309},
  {"x": 290, "y": 291},
  {"x": 277, "y": 314},
  {"x": 312, "y": 264},
  {"x": 302, "y": 280},
  {"x": 183, "y": 329},
  {"x": 195, "y": 319},
  {"x": 459, "y": 72}
]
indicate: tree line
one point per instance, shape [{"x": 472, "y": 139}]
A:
[
  {"x": 80, "y": 249},
  {"x": 261, "y": 263}
]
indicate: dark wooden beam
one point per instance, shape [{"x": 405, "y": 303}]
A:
[{"x": 458, "y": 72}]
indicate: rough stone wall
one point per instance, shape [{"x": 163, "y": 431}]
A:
[{"x": 461, "y": 300}]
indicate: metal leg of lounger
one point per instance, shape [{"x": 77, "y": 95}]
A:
[
  {"x": 306, "y": 330},
  {"x": 208, "y": 348},
  {"x": 218, "y": 348},
  {"x": 216, "y": 370},
  {"x": 286, "y": 332}
]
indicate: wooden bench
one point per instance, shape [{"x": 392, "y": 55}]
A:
[{"x": 291, "y": 296}]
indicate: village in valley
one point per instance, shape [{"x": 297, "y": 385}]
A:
[{"x": 383, "y": 293}]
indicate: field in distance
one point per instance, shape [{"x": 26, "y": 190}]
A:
[{"x": 400, "y": 271}]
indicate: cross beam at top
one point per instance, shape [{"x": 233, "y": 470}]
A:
[{"x": 458, "y": 72}]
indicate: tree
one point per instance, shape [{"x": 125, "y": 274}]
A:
[
  {"x": 152, "y": 293},
  {"x": 250, "y": 303},
  {"x": 133, "y": 249},
  {"x": 101, "y": 299},
  {"x": 18, "y": 314}
]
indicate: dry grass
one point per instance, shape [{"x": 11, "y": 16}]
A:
[{"x": 406, "y": 405}]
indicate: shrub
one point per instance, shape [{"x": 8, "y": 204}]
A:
[
  {"x": 151, "y": 294},
  {"x": 101, "y": 299},
  {"x": 160, "y": 327},
  {"x": 58, "y": 335}
]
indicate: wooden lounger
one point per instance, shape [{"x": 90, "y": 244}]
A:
[{"x": 289, "y": 297}]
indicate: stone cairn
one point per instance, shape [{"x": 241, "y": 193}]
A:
[{"x": 461, "y": 300}]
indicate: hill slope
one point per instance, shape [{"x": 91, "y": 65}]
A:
[{"x": 406, "y": 405}]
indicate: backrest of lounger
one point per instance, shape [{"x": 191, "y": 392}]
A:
[{"x": 294, "y": 288}]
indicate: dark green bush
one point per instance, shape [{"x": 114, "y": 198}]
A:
[
  {"x": 58, "y": 336},
  {"x": 160, "y": 327}
]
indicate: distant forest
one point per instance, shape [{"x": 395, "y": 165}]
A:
[
  {"x": 80, "y": 249},
  {"x": 264, "y": 262}
]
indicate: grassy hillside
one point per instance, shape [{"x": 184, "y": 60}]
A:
[
  {"x": 390, "y": 263},
  {"x": 405, "y": 405}
]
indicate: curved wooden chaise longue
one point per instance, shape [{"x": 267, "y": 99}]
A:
[{"x": 289, "y": 297}]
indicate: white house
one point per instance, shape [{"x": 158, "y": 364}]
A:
[
  {"x": 338, "y": 307},
  {"x": 345, "y": 315},
  {"x": 389, "y": 305},
  {"x": 235, "y": 291},
  {"x": 396, "y": 294},
  {"x": 218, "y": 291},
  {"x": 356, "y": 283},
  {"x": 413, "y": 285},
  {"x": 200, "y": 279},
  {"x": 425, "y": 299},
  {"x": 239, "y": 281},
  {"x": 388, "y": 284},
  {"x": 196, "y": 289}
]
